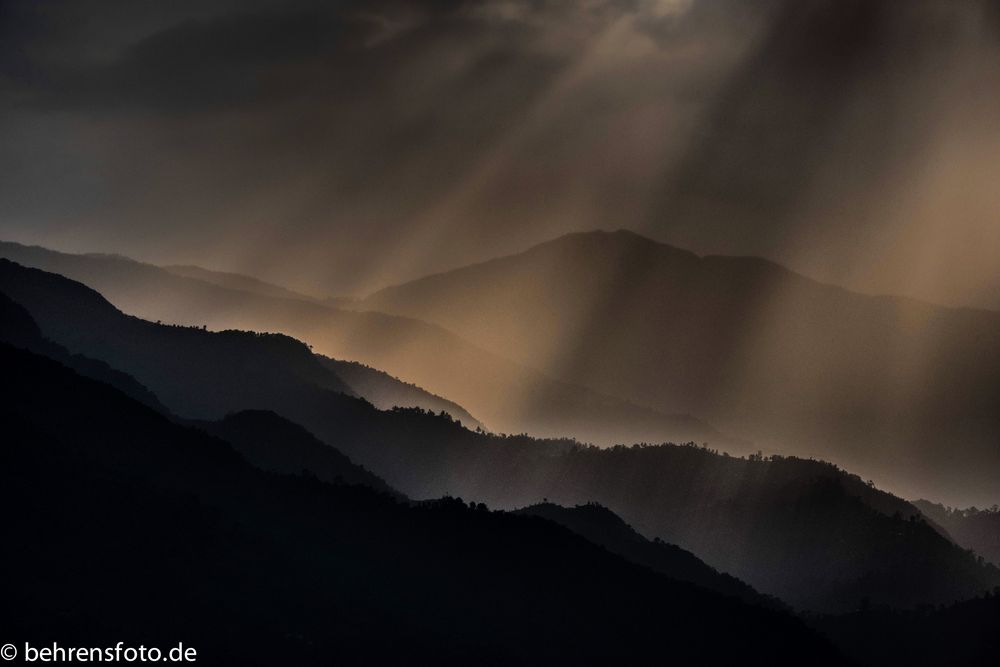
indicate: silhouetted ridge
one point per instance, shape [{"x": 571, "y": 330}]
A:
[
  {"x": 235, "y": 368},
  {"x": 436, "y": 360},
  {"x": 273, "y": 443},
  {"x": 130, "y": 526},
  {"x": 972, "y": 528},
  {"x": 599, "y": 244},
  {"x": 386, "y": 392},
  {"x": 235, "y": 281},
  {"x": 267, "y": 440},
  {"x": 16, "y": 325},
  {"x": 19, "y": 329},
  {"x": 960, "y": 635},
  {"x": 602, "y": 526},
  {"x": 902, "y": 391},
  {"x": 804, "y": 531}
]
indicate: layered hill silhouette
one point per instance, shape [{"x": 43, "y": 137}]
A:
[
  {"x": 234, "y": 281},
  {"x": 386, "y": 392},
  {"x": 802, "y": 530},
  {"x": 903, "y": 391},
  {"x": 828, "y": 539},
  {"x": 959, "y": 635},
  {"x": 130, "y": 525},
  {"x": 273, "y": 443},
  {"x": 502, "y": 395},
  {"x": 265, "y": 439},
  {"x": 972, "y": 528},
  {"x": 19, "y": 329},
  {"x": 602, "y": 526}
]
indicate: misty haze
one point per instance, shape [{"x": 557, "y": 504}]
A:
[{"x": 501, "y": 331}]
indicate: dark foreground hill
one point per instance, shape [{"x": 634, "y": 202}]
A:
[
  {"x": 18, "y": 328},
  {"x": 960, "y": 635},
  {"x": 273, "y": 443},
  {"x": 601, "y": 526},
  {"x": 265, "y": 439},
  {"x": 804, "y": 531},
  {"x": 131, "y": 528}
]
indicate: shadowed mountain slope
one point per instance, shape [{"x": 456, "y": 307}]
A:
[
  {"x": 235, "y": 281},
  {"x": 905, "y": 392},
  {"x": 17, "y": 328},
  {"x": 386, "y": 392},
  {"x": 972, "y": 528},
  {"x": 194, "y": 373},
  {"x": 505, "y": 396},
  {"x": 601, "y": 526},
  {"x": 265, "y": 439},
  {"x": 802, "y": 530},
  {"x": 131, "y": 526},
  {"x": 273, "y": 443},
  {"x": 960, "y": 635},
  {"x": 828, "y": 539}
]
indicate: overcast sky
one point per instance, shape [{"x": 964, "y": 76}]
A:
[{"x": 342, "y": 146}]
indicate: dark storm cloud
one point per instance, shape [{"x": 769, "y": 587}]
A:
[
  {"x": 224, "y": 62},
  {"x": 771, "y": 128},
  {"x": 188, "y": 56},
  {"x": 218, "y": 61},
  {"x": 704, "y": 18},
  {"x": 365, "y": 110},
  {"x": 850, "y": 88},
  {"x": 326, "y": 143}
]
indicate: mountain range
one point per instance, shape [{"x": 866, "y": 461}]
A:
[
  {"x": 973, "y": 528},
  {"x": 601, "y": 526},
  {"x": 502, "y": 395},
  {"x": 804, "y": 531},
  {"x": 132, "y": 525},
  {"x": 904, "y": 392},
  {"x": 500, "y": 333}
]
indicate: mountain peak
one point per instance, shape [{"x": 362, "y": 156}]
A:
[{"x": 615, "y": 240}]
